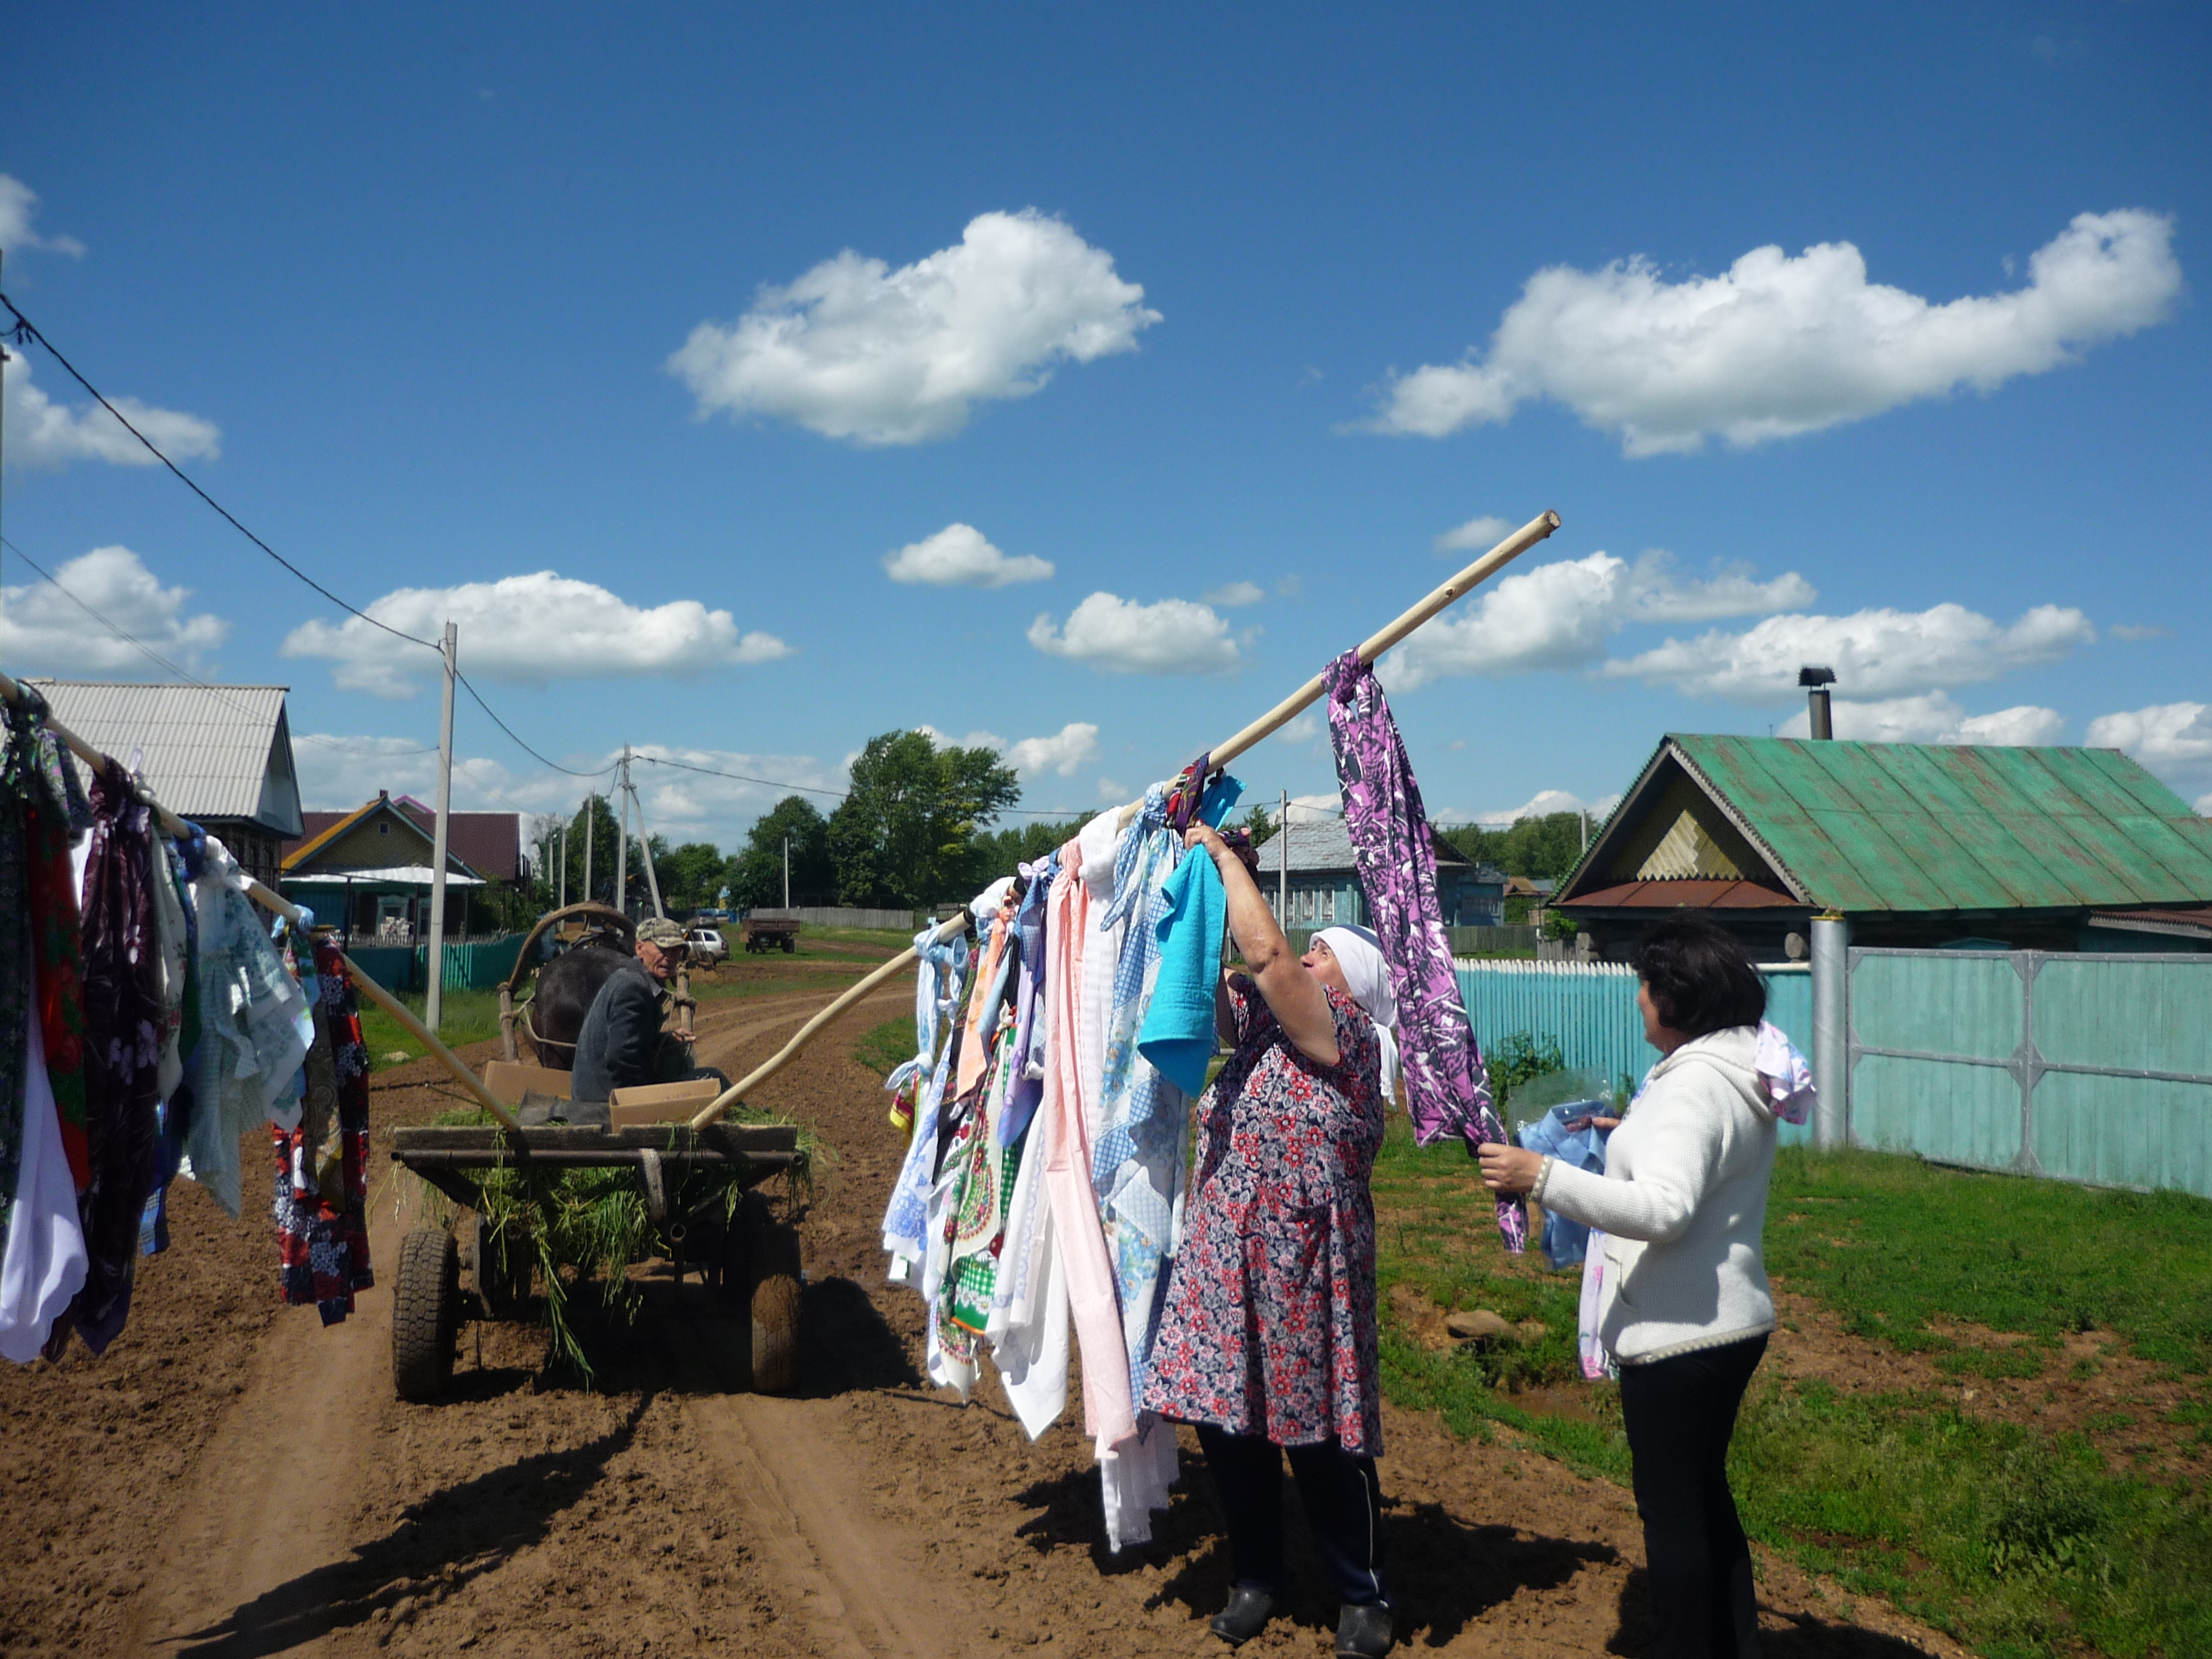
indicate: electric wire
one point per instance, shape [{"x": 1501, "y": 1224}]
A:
[
  {"x": 185, "y": 674},
  {"x": 25, "y": 329}
]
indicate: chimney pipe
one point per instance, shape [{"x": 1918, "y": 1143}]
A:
[{"x": 1816, "y": 682}]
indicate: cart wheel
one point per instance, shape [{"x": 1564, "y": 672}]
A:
[
  {"x": 501, "y": 1267},
  {"x": 769, "y": 1286},
  {"x": 426, "y": 1307},
  {"x": 790, "y": 945}
]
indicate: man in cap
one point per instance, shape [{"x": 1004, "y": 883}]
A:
[{"x": 621, "y": 1044}]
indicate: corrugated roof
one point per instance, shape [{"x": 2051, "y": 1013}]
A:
[
  {"x": 1318, "y": 845},
  {"x": 220, "y": 751},
  {"x": 1929, "y": 827}
]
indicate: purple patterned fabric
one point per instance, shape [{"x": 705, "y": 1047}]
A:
[{"x": 1446, "y": 1090}]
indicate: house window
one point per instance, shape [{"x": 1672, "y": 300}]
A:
[
  {"x": 1303, "y": 899},
  {"x": 1326, "y": 905},
  {"x": 383, "y": 829}
]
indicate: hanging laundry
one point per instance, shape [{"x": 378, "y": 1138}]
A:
[
  {"x": 122, "y": 1052},
  {"x": 1029, "y": 936},
  {"x": 1178, "y": 1034},
  {"x": 18, "y": 986},
  {"x": 1784, "y": 1074},
  {"x": 54, "y": 810},
  {"x": 1566, "y": 1132},
  {"x": 321, "y": 1206},
  {"x": 43, "y": 1265},
  {"x": 255, "y": 1024},
  {"x": 180, "y": 930},
  {"x": 1446, "y": 1088},
  {"x": 944, "y": 968}
]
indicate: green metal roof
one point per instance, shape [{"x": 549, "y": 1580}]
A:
[
  {"x": 1927, "y": 827},
  {"x": 1911, "y": 826}
]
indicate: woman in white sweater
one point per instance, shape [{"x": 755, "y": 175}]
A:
[{"x": 1684, "y": 1305}]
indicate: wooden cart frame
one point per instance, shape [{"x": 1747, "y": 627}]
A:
[{"x": 752, "y": 1259}]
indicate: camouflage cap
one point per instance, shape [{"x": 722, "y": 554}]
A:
[{"x": 659, "y": 930}]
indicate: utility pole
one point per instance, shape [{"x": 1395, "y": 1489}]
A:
[
  {"x": 591, "y": 819},
  {"x": 644, "y": 850},
  {"x": 622, "y": 837},
  {"x": 1283, "y": 865},
  {"x": 562, "y": 903},
  {"x": 435, "y": 995},
  {"x": 1584, "y": 813},
  {"x": 786, "y": 872}
]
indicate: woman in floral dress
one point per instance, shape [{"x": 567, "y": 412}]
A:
[{"x": 1267, "y": 1337}]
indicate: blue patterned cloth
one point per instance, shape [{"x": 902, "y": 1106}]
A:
[{"x": 1582, "y": 1148}]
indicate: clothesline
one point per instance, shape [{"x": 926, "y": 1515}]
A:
[
  {"x": 1280, "y": 715},
  {"x": 277, "y": 904}
]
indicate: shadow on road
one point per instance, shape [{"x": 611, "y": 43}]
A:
[
  {"x": 444, "y": 1542},
  {"x": 1808, "y": 1637}
]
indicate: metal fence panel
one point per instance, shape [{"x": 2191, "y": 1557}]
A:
[
  {"x": 2095, "y": 1068},
  {"x": 1950, "y": 1002}
]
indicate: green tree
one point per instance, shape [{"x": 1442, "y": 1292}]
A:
[
  {"x": 906, "y": 833},
  {"x": 756, "y": 874},
  {"x": 1260, "y": 823},
  {"x": 1543, "y": 848},
  {"x": 690, "y": 875},
  {"x": 997, "y": 853}
]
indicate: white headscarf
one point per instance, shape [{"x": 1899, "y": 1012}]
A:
[{"x": 1367, "y": 976}]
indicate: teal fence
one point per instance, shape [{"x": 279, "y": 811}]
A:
[
  {"x": 1589, "y": 1007},
  {"x": 2089, "y": 1068},
  {"x": 476, "y": 966}
]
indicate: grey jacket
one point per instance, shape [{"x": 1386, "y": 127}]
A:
[{"x": 621, "y": 1037}]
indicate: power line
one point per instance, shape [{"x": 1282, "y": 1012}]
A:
[
  {"x": 185, "y": 674},
  {"x": 741, "y": 777},
  {"x": 519, "y": 743},
  {"x": 27, "y": 330}
]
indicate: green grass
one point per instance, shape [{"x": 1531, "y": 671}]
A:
[
  {"x": 1895, "y": 1245},
  {"x": 467, "y": 1017},
  {"x": 2018, "y": 1541},
  {"x": 883, "y": 1048}
]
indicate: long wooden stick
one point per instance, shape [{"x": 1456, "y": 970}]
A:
[
  {"x": 277, "y": 904},
  {"x": 1280, "y": 715}
]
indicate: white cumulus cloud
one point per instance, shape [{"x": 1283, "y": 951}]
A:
[
  {"x": 1545, "y": 802},
  {"x": 958, "y": 557},
  {"x": 854, "y": 350},
  {"x": 1884, "y": 653},
  {"x": 1561, "y": 615},
  {"x": 42, "y": 432},
  {"x": 41, "y": 631},
  {"x": 1233, "y": 594},
  {"x": 1064, "y": 752},
  {"x": 1780, "y": 346},
  {"x": 1933, "y": 718},
  {"x": 1174, "y": 636},
  {"x": 527, "y": 630},
  {"x": 2173, "y": 739},
  {"x": 1477, "y": 535},
  {"x": 19, "y": 205}
]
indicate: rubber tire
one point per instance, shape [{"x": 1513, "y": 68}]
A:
[
  {"x": 772, "y": 1269},
  {"x": 426, "y": 1305},
  {"x": 501, "y": 1277}
]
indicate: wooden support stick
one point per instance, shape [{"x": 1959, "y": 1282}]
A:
[
  {"x": 277, "y": 904},
  {"x": 1280, "y": 715}
]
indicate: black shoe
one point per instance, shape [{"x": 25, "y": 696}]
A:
[
  {"x": 1363, "y": 1632},
  {"x": 1246, "y": 1615}
]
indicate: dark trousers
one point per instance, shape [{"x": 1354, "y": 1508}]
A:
[
  {"x": 1343, "y": 1511},
  {"x": 1680, "y": 1413}
]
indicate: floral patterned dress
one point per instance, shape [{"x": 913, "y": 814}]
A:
[{"x": 1269, "y": 1323}]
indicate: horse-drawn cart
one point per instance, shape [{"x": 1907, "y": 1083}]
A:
[{"x": 731, "y": 1237}]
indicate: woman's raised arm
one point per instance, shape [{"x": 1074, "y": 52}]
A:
[{"x": 1300, "y": 1004}]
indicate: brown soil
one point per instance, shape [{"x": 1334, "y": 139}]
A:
[{"x": 233, "y": 1479}]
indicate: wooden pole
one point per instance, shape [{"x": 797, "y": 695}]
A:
[
  {"x": 1280, "y": 715},
  {"x": 277, "y": 904},
  {"x": 433, "y": 995}
]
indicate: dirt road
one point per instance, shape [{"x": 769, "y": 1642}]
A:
[{"x": 232, "y": 1480}]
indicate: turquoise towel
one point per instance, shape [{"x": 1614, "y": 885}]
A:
[{"x": 1177, "y": 1034}]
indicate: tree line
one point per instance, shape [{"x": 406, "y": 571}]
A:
[{"x": 919, "y": 827}]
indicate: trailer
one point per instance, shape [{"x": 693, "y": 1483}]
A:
[
  {"x": 768, "y": 933},
  {"x": 746, "y": 1254}
]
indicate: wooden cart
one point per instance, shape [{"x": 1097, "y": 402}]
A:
[{"x": 753, "y": 1260}]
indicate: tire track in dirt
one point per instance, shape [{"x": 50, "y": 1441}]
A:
[{"x": 266, "y": 1504}]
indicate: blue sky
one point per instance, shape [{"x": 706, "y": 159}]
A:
[{"x": 1243, "y": 313}]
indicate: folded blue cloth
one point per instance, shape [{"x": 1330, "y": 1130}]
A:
[
  {"x": 1177, "y": 1034},
  {"x": 1566, "y": 1242}
]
